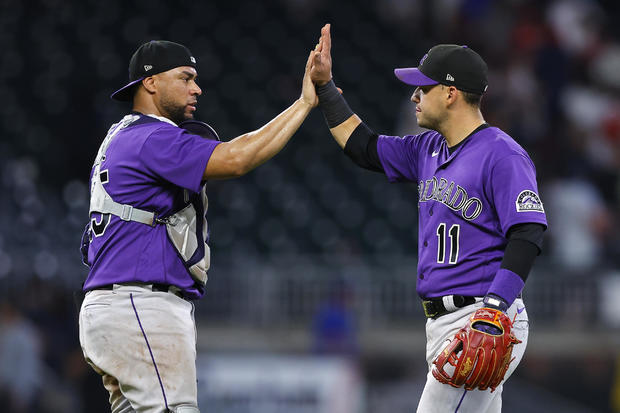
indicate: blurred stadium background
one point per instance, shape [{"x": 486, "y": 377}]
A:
[{"x": 311, "y": 303}]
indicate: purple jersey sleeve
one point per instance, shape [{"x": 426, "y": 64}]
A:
[
  {"x": 515, "y": 193},
  {"x": 177, "y": 156},
  {"x": 398, "y": 157},
  {"x": 401, "y": 157}
]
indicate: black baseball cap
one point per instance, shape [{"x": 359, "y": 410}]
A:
[
  {"x": 151, "y": 58},
  {"x": 448, "y": 64}
]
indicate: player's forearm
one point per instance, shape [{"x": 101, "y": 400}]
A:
[
  {"x": 339, "y": 117},
  {"x": 244, "y": 153},
  {"x": 342, "y": 132},
  {"x": 357, "y": 140},
  {"x": 267, "y": 141}
]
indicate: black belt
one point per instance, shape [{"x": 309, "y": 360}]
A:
[
  {"x": 165, "y": 288},
  {"x": 435, "y": 307}
]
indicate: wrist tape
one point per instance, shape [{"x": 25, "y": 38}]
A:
[{"x": 332, "y": 104}]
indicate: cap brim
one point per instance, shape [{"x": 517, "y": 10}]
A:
[
  {"x": 413, "y": 76},
  {"x": 125, "y": 93}
]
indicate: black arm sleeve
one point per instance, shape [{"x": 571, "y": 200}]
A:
[
  {"x": 528, "y": 232},
  {"x": 524, "y": 244},
  {"x": 362, "y": 148}
]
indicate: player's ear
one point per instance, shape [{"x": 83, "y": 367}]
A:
[
  {"x": 451, "y": 94},
  {"x": 149, "y": 83}
]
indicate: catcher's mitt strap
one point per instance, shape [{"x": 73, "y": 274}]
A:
[{"x": 436, "y": 307}]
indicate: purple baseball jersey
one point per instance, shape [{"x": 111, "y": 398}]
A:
[
  {"x": 467, "y": 202},
  {"x": 154, "y": 166}
]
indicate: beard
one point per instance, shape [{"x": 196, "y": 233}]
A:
[{"x": 174, "y": 111}]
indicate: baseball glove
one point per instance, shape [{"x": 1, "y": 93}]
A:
[{"x": 479, "y": 354}]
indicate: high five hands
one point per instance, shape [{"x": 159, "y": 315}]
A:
[
  {"x": 321, "y": 70},
  {"x": 318, "y": 67}
]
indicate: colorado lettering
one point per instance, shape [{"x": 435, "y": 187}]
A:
[{"x": 450, "y": 194}]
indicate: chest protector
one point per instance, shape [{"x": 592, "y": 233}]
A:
[{"x": 187, "y": 229}]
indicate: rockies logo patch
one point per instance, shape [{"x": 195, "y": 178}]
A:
[{"x": 528, "y": 201}]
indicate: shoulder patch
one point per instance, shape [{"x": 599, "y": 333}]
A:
[{"x": 528, "y": 201}]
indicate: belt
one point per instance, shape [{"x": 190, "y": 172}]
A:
[
  {"x": 436, "y": 307},
  {"x": 165, "y": 288}
]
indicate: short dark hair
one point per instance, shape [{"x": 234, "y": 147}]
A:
[{"x": 472, "y": 99}]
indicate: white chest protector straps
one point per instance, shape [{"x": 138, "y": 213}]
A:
[{"x": 187, "y": 229}]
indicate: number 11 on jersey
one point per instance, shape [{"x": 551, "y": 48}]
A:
[{"x": 453, "y": 233}]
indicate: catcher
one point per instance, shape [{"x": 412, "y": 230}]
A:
[
  {"x": 480, "y": 220},
  {"x": 147, "y": 238}
]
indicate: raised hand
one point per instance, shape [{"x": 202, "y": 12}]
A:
[
  {"x": 321, "y": 71},
  {"x": 308, "y": 92}
]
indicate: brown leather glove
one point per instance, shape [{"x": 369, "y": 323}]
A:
[{"x": 480, "y": 352}]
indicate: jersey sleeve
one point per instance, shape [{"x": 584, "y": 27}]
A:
[
  {"x": 177, "y": 156},
  {"x": 515, "y": 192},
  {"x": 398, "y": 157}
]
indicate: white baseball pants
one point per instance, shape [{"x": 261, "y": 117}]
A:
[{"x": 143, "y": 343}]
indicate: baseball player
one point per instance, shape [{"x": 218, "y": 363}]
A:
[
  {"x": 480, "y": 220},
  {"x": 146, "y": 243}
]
